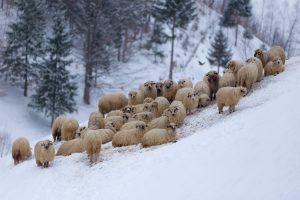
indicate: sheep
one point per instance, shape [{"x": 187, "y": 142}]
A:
[
  {"x": 70, "y": 147},
  {"x": 160, "y": 122},
  {"x": 117, "y": 120},
  {"x": 204, "y": 100},
  {"x": 247, "y": 75},
  {"x": 135, "y": 97},
  {"x": 112, "y": 101},
  {"x": 212, "y": 79},
  {"x": 182, "y": 83},
  {"x": 159, "y": 88},
  {"x": 148, "y": 100},
  {"x": 274, "y": 67},
  {"x": 68, "y": 129},
  {"x": 20, "y": 150},
  {"x": 229, "y": 96},
  {"x": 131, "y": 125},
  {"x": 169, "y": 90},
  {"x": 96, "y": 120},
  {"x": 266, "y": 56},
  {"x": 149, "y": 89},
  {"x": 44, "y": 153},
  {"x": 235, "y": 66},
  {"x": 202, "y": 87},
  {"x": 163, "y": 104},
  {"x": 228, "y": 79},
  {"x": 144, "y": 116},
  {"x": 188, "y": 97},
  {"x": 129, "y": 137},
  {"x": 151, "y": 107},
  {"x": 159, "y": 136},
  {"x": 92, "y": 145},
  {"x": 176, "y": 113},
  {"x": 108, "y": 133},
  {"x": 56, "y": 128},
  {"x": 259, "y": 65},
  {"x": 115, "y": 113},
  {"x": 130, "y": 110}
]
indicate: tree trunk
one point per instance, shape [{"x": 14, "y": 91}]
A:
[
  {"x": 125, "y": 45},
  {"x": 2, "y": 4},
  {"x": 88, "y": 68},
  {"x": 236, "y": 34},
  {"x": 26, "y": 74},
  {"x": 172, "y": 49}
]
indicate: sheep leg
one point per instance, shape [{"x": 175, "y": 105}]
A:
[
  {"x": 233, "y": 108},
  {"x": 38, "y": 163},
  {"x": 220, "y": 107}
]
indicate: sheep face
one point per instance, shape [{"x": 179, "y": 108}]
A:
[
  {"x": 277, "y": 61},
  {"x": 204, "y": 100},
  {"x": 150, "y": 85},
  {"x": 168, "y": 84},
  {"x": 229, "y": 64},
  {"x": 159, "y": 86},
  {"x": 243, "y": 91},
  {"x": 172, "y": 126},
  {"x": 173, "y": 111},
  {"x": 129, "y": 110},
  {"x": 111, "y": 126},
  {"x": 259, "y": 54},
  {"x": 79, "y": 131},
  {"x": 132, "y": 94},
  {"x": 181, "y": 83},
  {"x": 141, "y": 126},
  {"x": 212, "y": 76},
  {"x": 192, "y": 96},
  {"x": 125, "y": 117},
  {"x": 151, "y": 107},
  {"x": 46, "y": 144}
]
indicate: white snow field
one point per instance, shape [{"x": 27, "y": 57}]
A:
[{"x": 253, "y": 153}]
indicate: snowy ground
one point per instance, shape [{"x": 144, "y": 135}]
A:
[{"x": 250, "y": 154}]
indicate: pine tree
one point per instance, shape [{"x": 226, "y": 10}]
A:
[
  {"x": 23, "y": 53},
  {"x": 247, "y": 34},
  {"x": 177, "y": 14},
  {"x": 219, "y": 54},
  {"x": 233, "y": 13},
  {"x": 56, "y": 92}
]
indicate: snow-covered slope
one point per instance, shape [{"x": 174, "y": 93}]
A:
[{"x": 250, "y": 154}]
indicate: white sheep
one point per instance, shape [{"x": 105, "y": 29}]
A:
[
  {"x": 20, "y": 150},
  {"x": 92, "y": 145},
  {"x": 188, "y": 97},
  {"x": 112, "y": 101},
  {"x": 44, "y": 153},
  {"x": 96, "y": 120}
]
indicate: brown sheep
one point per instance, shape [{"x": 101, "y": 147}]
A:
[
  {"x": 151, "y": 107},
  {"x": 163, "y": 104},
  {"x": 160, "y": 122},
  {"x": 68, "y": 130},
  {"x": 266, "y": 56},
  {"x": 188, "y": 97},
  {"x": 176, "y": 113},
  {"x": 204, "y": 100},
  {"x": 80, "y": 131},
  {"x": 131, "y": 125},
  {"x": 202, "y": 87},
  {"x": 115, "y": 113},
  {"x": 112, "y": 101},
  {"x": 108, "y": 133},
  {"x": 56, "y": 128},
  {"x": 274, "y": 67},
  {"x": 92, "y": 144},
  {"x": 20, "y": 150},
  {"x": 159, "y": 88},
  {"x": 159, "y": 136},
  {"x": 44, "y": 153},
  {"x": 130, "y": 109},
  {"x": 135, "y": 97},
  {"x": 228, "y": 79},
  {"x": 149, "y": 89},
  {"x": 229, "y": 96},
  {"x": 259, "y": 65},
  {"x": 169, "y": 90},
  {"x": 182, "y": 83},
  {"x": 117, "y": 120},
  {"x": 144, "y": 116},
  {"x": 129, "y": 137},
  {"x": 247, "y": 75},
  {"x": 148, "y": 100},
  {"x": 70, "y": 147},
  {"x": 96, "y": 120},
  {"x": 235, "y": 66},
  {"x": 212, "y": 79}
]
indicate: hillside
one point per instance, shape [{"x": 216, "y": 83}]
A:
[{"x": 250, "y": 154}]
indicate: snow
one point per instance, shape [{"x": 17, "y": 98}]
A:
[{"x": 250, "y": 154}]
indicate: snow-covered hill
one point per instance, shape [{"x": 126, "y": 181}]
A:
[{"x": 250, "y": 154}]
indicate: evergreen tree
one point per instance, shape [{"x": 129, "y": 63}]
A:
[
  {"x": 219, "y": 54},
  {"x": 233, "y": 13},
  {"x": 23, "y": 54},
  {"x": 56, "y": 91},
  {"x": 247, "y": 34},
  {"x": 177, "y": 14}
]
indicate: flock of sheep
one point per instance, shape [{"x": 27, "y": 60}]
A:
[{"x": 150, "y": 114}]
